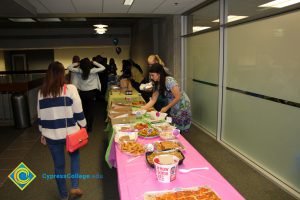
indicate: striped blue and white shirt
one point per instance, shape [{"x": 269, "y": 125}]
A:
[{"x": 52, "y": 114}]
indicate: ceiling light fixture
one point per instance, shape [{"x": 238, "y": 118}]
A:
[
  {"x": 22, "y": 19},
  {"x": 48, "y": 19},
  {"x": 199, "y": 28},
  {"x": 100, "y": 28},
  {"x": 128, "y": 2},
  {"x": 231, "y": 18},
  {"x": 279, "y": 3},
  {"x": 100, "y": 25}
]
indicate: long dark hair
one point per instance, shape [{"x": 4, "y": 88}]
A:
[
  {"x": 112, "y": 69},
  {"x": 54, "y": 80},
  {"x": 85, "y": 66},
  {"x": 161, "y": 85},
  {"x": 126, "y": 69}
]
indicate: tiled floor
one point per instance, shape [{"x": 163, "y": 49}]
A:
[{"x": 14, "y": 153}]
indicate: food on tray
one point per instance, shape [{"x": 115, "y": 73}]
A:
[
  {"x": 125, "y": 136},
  {"x": 140, "y": 126},
  {"x": 126, "y": 129},
  {"x": 203, "y": 193},
  {"x": 151, "y": 155},
  {"x": 166, "y": 135},
  {"x": 165, "y": 127},
  {"x": 132, "y": 148},
  {"x": 168, "y": 144},
  {"x": 138, "y": 103},
  {"x": 148, "y": 132}
]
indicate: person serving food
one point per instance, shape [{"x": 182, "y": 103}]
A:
[{"x": 172, "y": 100}]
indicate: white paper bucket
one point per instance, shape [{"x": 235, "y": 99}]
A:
[{"x": 165, "y": 167}]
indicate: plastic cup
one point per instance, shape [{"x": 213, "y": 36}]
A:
[
  {"x": 176, "y": 132},
  {"x": 165, "y": 167}
]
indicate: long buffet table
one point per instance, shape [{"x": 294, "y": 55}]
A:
[
  {"x": 116, "y": 97},
  {"x": 135, "y": 176}
]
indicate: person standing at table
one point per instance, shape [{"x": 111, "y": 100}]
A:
[
  {"x": 167, "y": 92},
  {"x": 154, "y": 59},
  {"x": 146, "y": 93},
  {"x": 88, "y": 83},
  {"x": 59, "y": 113},
  {"x": 126, "y": 76},
  {"x": 112, "y": 72}
]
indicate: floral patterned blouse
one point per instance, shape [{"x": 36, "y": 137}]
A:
[{"x": 181, "y": 111}]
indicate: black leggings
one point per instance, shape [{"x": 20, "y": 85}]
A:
[{"x": 88, "y": 105}]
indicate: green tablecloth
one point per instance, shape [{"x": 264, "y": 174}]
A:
[
  {"x": 109, "y": 130},
  {"x": 116, "y": 97}
]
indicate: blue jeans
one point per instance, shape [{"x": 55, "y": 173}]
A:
[{"x": 57, "y": 149}]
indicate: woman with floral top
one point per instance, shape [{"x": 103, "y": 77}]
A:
[{"x": 167, "y": 92}]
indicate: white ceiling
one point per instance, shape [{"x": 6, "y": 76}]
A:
[{"x": 92, "y": 8}]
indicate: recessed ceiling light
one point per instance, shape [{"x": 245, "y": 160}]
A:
[
  {"x": 100, "y": 30},
  {"x": 49, "y": 19},
  {"x": 128, "y": 2},
  {"x": 232, "y": 18},
  {"x": 100, "y": 25},
  {"x": 279, "y": 3},
  {"x": 22, "y": 19},
  {"x": 199, "y": 28}
]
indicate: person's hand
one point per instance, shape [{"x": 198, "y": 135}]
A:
[
  {"x": 43, "y": 140},
  {"x": 164, "y": 109}
]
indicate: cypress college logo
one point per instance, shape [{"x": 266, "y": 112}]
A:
[{"x": 22, "y": 176}]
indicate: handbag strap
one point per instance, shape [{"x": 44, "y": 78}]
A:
[{"x": 65, "y": 105}]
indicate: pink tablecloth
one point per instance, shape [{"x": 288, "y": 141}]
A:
[{"x": 135, "y": 177}]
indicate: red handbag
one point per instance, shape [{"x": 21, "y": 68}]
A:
[{"x": 75, "y": 140}]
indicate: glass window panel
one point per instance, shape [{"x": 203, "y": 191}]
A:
[
  {"x": 252, "y": 8},
  {"x": 203, "y": 56},
  {"x": 263, "y": 57},
  {"x": 202, "y": 19},
  {"x": 202, "y": 65},
  {"x": 266, "y": 132}
]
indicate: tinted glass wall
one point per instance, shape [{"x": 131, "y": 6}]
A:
[{"x": 260, "y": 103}]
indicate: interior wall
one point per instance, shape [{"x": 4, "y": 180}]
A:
[
  {"x": 142, "y": 45},
  {"x": 2, "y": 61},
  {"x": 166, "y": 42},
  {"x": 35, "y": 59}
]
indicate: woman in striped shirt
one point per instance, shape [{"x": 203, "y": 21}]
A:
[{"x": 59, "y": 113}]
